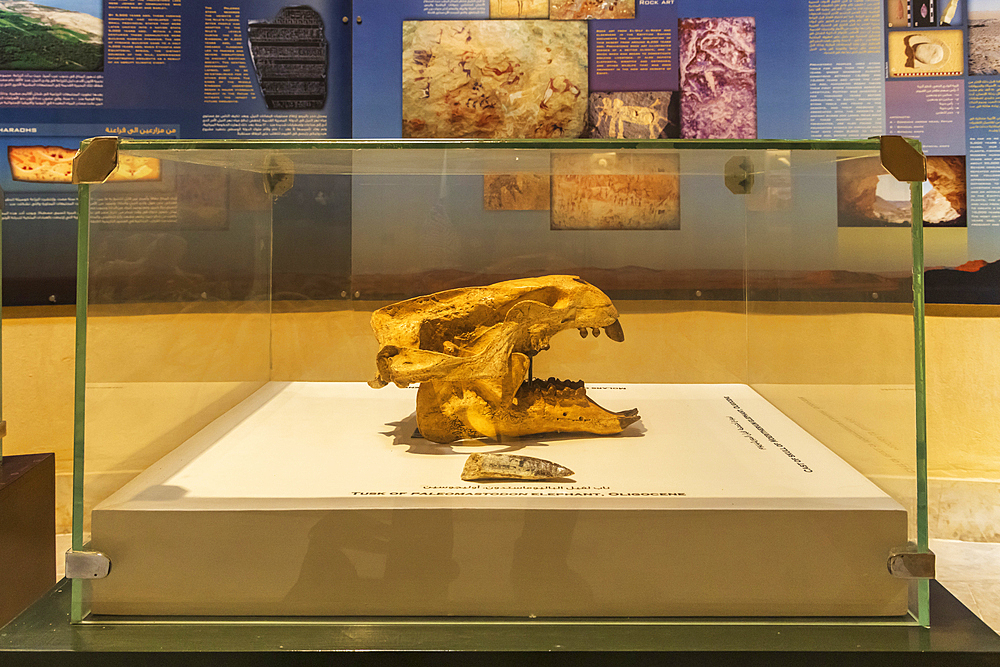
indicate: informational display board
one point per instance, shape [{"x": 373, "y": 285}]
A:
[{"x": 786, "y": 69}]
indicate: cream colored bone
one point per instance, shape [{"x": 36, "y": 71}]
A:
[{"x": 470, "y": 350}]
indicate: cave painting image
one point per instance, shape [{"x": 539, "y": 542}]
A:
[
  {"x": 519, "y": 9},
  {"x": 494, "y": 79},
  {"x": 984, "y": 37},
  {"x": 579, "y": 10},
  {"x": 868, "y": 196},
  {"x": 516, "y": 192},
  {"x": 718, "y": 78},
  {"x": 615, "y": 191},
  {"x": 635, "y": 115},
  {"x": 57, "y": 36},
  {"x": 925, "y": 53}
]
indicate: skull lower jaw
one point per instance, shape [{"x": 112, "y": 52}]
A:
[{"x": 450, "y": 411}]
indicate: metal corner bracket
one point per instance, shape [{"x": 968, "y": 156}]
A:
[
  {"x": 87, "y": 565},
  {"x": 902, "y": 160},
  {"x": 96, "y": 160},
  {"x": 738, "y": 175},
  {"x": 279, "y": 175},
  {"x": 910, "y": 563}
]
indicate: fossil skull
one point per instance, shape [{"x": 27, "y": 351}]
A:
[{"x": 471, "y": 349}]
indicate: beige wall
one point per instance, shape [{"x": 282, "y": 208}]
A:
[{"x": 962, "y": 360}]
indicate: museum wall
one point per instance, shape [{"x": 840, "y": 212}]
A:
[{"x": 38, "y": 344}]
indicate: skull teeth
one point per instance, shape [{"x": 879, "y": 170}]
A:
[{"x": 553, "y": 387}]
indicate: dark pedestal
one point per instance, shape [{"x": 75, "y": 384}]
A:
[
  {"x": 42, "y": 636},
  {"x": 27, "y": 531}
]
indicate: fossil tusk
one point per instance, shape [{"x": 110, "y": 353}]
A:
[{"x": 511, "y": 466}]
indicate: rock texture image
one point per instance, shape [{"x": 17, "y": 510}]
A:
[
  {"x": 569, "y": 10},
  {"x": 718, "y": 74},
  {"x": 608, "y": 191},
  {"x": 945, "y": 204},
  {"x": 289, "y": 56},
  {"x": 494, "y": 79},
  {"x": 639, "y": 115}
]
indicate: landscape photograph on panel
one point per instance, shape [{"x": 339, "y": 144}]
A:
[
  {"x": 494, "y": 79},
  {"x": 615, "y": 191},
  {"x": 718, "y": 78},
  {"x": 868, "y": 196},
  {"x": 56, "y": 36},
  {"x": 984, "y": 37}
]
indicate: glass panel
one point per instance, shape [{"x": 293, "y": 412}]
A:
[
  {"x": 831, "y": 312},
  {"x": 177, "y": 294},
  {"x": 230, "y": 332}
]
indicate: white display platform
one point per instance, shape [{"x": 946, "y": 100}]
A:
[{"x": 319, "y": 499}]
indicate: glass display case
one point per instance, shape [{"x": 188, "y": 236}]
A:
[{"x": 259, "y": 430}]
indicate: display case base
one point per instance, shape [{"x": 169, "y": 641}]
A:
[{"x": 319, "y": 499}]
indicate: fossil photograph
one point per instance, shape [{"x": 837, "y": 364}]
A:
[
  {"x": 718, "y": 78},
  {"x": 868, "y": 196},
  {"x": 516, "y": 192},
  {"x": 634, "y": 115},
  {"x": 494, "y": 79},
  {"x": 984, "y": 37},
  {"x": 519, "y": 9},
  {"x": 925, "y": 53},
  {"x": 609, "y": 191},
  {"x": 578, "y": 10},
  {"x": 897, "y": 13}
]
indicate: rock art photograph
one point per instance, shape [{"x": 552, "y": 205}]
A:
[
  {"x": 611, "y": 191},
  {"x": 868, "y": 196},
  {"x": 718, "y": 78},
  {"x": 578, "y": 10},
  {"x": 519, "y": 9},
  {"x": 984, "y": 37},
  {"x": 516, "y": 192},
  {"x": 494, "y": 79},
  {"x": 634, "y": 115}
]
